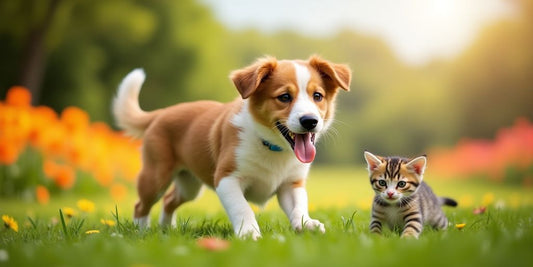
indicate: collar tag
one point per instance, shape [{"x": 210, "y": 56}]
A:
[{"x": 271, "y": 146}]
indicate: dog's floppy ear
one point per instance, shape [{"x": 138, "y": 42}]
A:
[
  {"x": 248, "y": 79},
  {"x": 339, "y": 74}
]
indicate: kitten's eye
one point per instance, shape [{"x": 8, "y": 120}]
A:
[
  {"x": 285, "y": 98},
  {"x": 382, "y": 183},
  {"x": 401, "y": 184},
  {"x": 318, "y": 97}
]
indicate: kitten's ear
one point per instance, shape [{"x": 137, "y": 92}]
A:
[
  {"x": 372, "y": 160},
  {"x": 417, "y": 165}
]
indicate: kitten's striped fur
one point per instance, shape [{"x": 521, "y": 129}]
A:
[{"x": 402, "y": 198}]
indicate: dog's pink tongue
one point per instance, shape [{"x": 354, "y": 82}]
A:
[{"x": 304, "y": 148}]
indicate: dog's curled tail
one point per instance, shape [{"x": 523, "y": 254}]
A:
[{"x": 128, "y": 114}]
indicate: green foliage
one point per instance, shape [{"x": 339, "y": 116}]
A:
[
  {"x": 21, "y": 178},
  {"x": 392, "y": 108}
]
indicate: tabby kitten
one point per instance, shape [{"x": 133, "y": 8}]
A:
[{"x": 402, "y": 198}]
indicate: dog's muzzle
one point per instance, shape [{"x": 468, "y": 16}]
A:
[{"x": 303, "y": 144}]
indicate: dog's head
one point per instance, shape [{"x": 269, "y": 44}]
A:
[{"x": 293, "y": 97}]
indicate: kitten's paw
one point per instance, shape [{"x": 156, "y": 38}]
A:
[
  {"x": 410, "y": 235},
  {"x": 375, "y": 231}
]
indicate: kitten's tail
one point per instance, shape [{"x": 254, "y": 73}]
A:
[{"x": 446, "y": 201}]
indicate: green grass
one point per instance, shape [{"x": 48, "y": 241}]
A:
[{"x": 503, "y": 235}]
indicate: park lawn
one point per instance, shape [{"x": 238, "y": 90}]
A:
[{"x": 339, "y": 196}]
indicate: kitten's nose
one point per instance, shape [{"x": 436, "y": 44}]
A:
[{"x": 390, "y": 193}]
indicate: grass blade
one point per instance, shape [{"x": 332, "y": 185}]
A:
[
  {"x": 33, "y": 223},
  {"x": 65, "y": 230}
]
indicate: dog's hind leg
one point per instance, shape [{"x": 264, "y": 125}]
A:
[
  {"x": 186, "y": 188},
  {"x": 152, "y": 182}
]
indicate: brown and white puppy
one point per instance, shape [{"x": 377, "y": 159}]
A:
[{"x": 247, "y": 150}]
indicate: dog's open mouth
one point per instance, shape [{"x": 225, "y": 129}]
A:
[{"x": 303, "y": 144}]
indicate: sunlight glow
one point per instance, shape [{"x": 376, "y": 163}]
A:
[{"x": 416, "y": 30}]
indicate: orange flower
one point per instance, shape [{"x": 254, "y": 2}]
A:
[
  {"x": 76, "y": 150},
  {"x": 65, "y": 177},
  {"x": 9, "y": 152},
  {"x": 18, "y": 96},
  {"x": 54, "y": 140},
  {"x": 43, "y": 196},
  {"x": 45, "y": 113},
  {"x": 103, "y": 175},
  {"x": 50, "y": 168},
  {"x": 42, "y": 120},
  {"x": 213, "y": 243},
  {"x": 75, "y": 119},
  {"x": 511, "y": 146}
]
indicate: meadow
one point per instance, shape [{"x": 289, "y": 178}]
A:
[
  {"x": 339, "y": 196},
  {"x": 67, "y": 192}
]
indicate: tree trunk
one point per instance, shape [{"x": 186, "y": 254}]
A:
[{"x": 34, "y": 55}]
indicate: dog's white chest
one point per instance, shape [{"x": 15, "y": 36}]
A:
[{"x": 262, "y": 172}]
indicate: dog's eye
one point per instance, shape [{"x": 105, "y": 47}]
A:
[
  {"x": 285, "y": 98},
  {"x": 318, "y": 97}
]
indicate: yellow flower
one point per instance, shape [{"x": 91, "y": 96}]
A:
[
  {"x": 107, "y": 222},
  {"x": 10, "y": 223},
  {"x": 85, "y": 205},
  {"x": 488, "y": 199},
  {"x": 460, "y": 225},
  {"x": 69, "y": 212},
  {"x": 90, "y": 232}
]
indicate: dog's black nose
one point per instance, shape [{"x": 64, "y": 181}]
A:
[{"x": 309, "y": 122}]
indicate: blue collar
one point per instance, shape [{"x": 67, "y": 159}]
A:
[{"x": 271, "y": 146}]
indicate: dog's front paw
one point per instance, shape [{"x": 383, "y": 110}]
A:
[
  {"x": 309, "y": 224},
  {"x": 248, "y": 231},
  {"x": 314, "y": 225}
]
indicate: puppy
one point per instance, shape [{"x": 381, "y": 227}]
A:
[{"x": 257, "y": 146}]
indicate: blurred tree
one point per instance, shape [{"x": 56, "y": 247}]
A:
[
  {"x": 88, "y": 46},
  {"x": 92, "y": 44},
  {"x": 493, "y": 79},
  {"x": 27, "y": 22}
]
